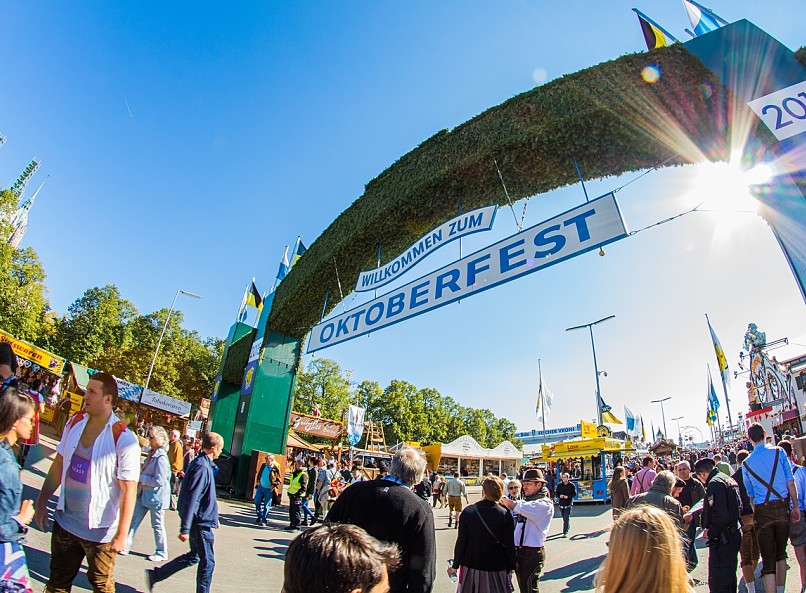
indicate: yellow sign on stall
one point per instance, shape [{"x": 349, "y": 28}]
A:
[
  {"x": 588, "y": 429},
  {"x": 48, "y": 361}
]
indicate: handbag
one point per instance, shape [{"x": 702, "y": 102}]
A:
[{"x": 487, "y": 527}]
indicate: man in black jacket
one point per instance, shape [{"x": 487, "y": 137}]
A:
[
  {"x": 389, "y": 511},
  {"x": 692, "y": 493},
  {"x": 198, "y": 514},
  {"x": 720, "y": 518},
  {"x": 566, "y": 492}
]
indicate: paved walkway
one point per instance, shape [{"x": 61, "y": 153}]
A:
[{"x": 249, "y": 558}]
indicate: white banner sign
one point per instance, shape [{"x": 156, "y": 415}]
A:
[
  {"x": 254, "y": 353},
  {"x": 166, "y": 403},
  {"x": 355, "y": 425},
  {"x": 468, "y": 223},
  {"x": 784, "y": 111},
  {"x": 579, "y": 230}
]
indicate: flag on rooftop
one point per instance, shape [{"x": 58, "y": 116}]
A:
[
  {"x": 299, "y": 251},
  {"x": 654, "y": 35},
  {"x": 253, "y": 298},
  {"x": 703, "y": 20}
]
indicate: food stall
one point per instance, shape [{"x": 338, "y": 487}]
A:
[
  {"x": 590, "y": 463},
  {"x": 471, "y": 460},
  {"x": 37, "y": 363}
]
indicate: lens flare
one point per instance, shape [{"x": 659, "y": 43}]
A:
[{"x": 651, "y": 74}]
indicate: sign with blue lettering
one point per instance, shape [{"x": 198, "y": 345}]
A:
[
  {"x": 581, "y": 229},
  {"x": 480, "y": 219}
]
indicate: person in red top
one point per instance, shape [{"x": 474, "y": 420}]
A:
[{"x": 642, "y": 481}]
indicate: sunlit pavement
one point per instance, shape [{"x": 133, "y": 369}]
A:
[{"x": 250, "y": 557}]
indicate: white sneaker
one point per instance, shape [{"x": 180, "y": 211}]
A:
[
  {"x": 123, "y": 553},
  {"x": 157, "y": 558}
]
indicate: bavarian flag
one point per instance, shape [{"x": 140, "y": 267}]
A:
[
  {"x": 654, "y": 35},
  {"x": 253, "y": 298}
]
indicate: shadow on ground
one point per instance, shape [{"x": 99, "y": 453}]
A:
[{"x": 579, "y": 576}]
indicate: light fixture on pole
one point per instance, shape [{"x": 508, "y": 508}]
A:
[
  {"x": 595, "y": 365},
  {"x": 662, "y": 413},
  {"x": 679, "y": 434},
  {"x": 162, "y": 335}
]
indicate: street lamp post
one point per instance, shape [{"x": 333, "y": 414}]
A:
[
  {"x": 679, "y": 434},
  {"x": 162, "y": 334},
  {"x": 595, "y": 365},
  {"x": 662, "y": 413}
]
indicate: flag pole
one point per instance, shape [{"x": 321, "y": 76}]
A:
[
  {"x": 724, "y": 383},
  {"x": 542, "y": 400}
]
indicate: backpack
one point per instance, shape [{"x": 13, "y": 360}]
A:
[{"x": 118, "y": 427}]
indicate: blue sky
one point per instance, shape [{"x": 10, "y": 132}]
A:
[{"x": 252, "y": 125}]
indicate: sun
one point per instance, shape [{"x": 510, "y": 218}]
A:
[{"x": 725, "y": 187}]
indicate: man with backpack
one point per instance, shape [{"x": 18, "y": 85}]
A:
[
  {"x": 642, "y": 481},
  {"x": 97, "y": 465}
]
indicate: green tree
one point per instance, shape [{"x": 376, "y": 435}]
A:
[
  {"x": 322, "y": 384},
  {"x": 23, "y": 296}
]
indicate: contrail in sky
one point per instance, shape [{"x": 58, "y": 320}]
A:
[{"x": 127, "y": 106}]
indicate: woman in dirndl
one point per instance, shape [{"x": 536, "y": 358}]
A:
[
  {"x": 484, "y": 554},
  {"x": 16, "y": 422}
]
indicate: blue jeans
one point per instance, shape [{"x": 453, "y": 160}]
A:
[
  {"x": 566, "y": 513},
  {"x": 307, "y": 513},
  {"x": 201, "y": 553},
  {"x": 262, "y": 502},
  {"x": 157, "y": 524}
]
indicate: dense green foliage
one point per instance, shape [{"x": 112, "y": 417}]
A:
[
  {"x": 406, "y": 412},
  {"x": 606, "y": 117}
]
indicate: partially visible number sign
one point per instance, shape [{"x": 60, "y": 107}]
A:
[{"x": 784, "y": 111}]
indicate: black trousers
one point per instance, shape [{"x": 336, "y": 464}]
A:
[
  {"x": 723, "y": 560},
  {"x": 528, "y": 566}
]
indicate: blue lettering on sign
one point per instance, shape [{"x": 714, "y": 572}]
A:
[{"x": 577, "y": 231}]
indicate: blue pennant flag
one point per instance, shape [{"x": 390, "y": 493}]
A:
[{"x": 702, "y": 20}]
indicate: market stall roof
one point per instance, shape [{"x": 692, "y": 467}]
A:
[
  {"x": 38, "y": 356},
  {"x": 467, "y": 446},
  {"x": 297, "y": 442},
  {"x": 82, "y": 374},
  {"x": 587, "y": 448}
]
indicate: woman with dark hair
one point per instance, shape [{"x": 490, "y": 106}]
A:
[
  {"x": 484, "y": 554},
  {"x": 16, "y": 422}
]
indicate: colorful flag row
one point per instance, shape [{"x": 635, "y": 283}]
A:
[{"x": 703, "y": 20}]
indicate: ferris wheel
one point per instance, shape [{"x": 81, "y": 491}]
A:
[{"x": 691, "y": 434}]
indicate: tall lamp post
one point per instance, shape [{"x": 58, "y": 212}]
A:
[
  {"x": 595, "y": 365},
  {"x": 662, "y": 413},
  {"x": 162, "y": 335},
  {"x": 679, "y": 434}
]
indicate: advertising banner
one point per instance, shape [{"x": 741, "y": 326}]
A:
[
  {"x": 572, "y": 233},
  {"x": 316, "y": 426},
  {"x": 466, "y": 223},
  {"x": 355, "y": 425},
  {"x": 46, "y": 360},
  {"x": 589, "y": 430},
  {"x": 166, "y": 403}
]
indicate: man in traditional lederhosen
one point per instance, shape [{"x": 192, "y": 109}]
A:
[{"x": 533, "y": 516}]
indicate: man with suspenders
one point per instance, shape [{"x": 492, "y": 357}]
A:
[{"x": 771, "y": 488}]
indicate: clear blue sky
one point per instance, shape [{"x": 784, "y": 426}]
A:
[{"x": 254, "y": 123}]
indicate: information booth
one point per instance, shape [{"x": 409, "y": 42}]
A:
[{"x": 590, "y": 463}]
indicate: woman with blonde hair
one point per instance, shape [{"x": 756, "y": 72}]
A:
[
  {"x": 645, "y": 555},
  {"x": 154, "y": 493},
  {"x": 619, "y": 491}
]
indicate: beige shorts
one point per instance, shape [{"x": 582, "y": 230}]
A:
[{"x": 455, "y": 503}]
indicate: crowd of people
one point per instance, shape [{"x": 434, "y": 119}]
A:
[{"x": 378, "y": 535}]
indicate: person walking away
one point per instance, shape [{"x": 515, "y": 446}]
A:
[
  {"x": 749, "y": 553},
  {"x": 455, "y": 489},
  {"x": 176, "y": 458},
  {"x": 39, "y": 407},
  {"x": 720, "y": 521},
  {"x": 692, "y": 493},
  {"x": 642, "y": 481},
  {"x": 324, "y": 485},
  {"x": 629, "y": 567},
  {"x": 198, "y": 516},
  {"x": 339, "y": 558},
  {"x": 485, "y": 545},
  {"x": 566, "y": 492},
  {"x": 768, "y": 479},
  {"x": 722, "y": 465},
  {"x": 154, "y": 494},
  {"x": 389, "y": 511},
  {"x": 533, "y": 517},
  {"x": 619, "y": 491},
  {"x": 297, "y": 487},
  {"x": 276, "y": 482},
  {"x": 97, "y": 465},
  {"x": 16, "y": 421},
  {"x": 797, "y": 531},
  {"x": 263, "y": 490}
]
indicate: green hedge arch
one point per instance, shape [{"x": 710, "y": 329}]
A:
[{"x": 606, "y": 116}]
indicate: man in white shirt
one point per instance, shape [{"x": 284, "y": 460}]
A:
[
  {"x": 97, "y": 465},
  {"x": 533, "y": 516}
]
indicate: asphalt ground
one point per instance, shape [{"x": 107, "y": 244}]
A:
[{"x": 249, "y": 558}]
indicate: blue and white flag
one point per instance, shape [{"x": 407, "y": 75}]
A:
[
  {"x": 712, "y": 398},
  {"x": 283, "y": 271},
  {"x": 355, "y": 425},
  {"x": 702, "y": 20},
  {"x": 629, "y": 420}
]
